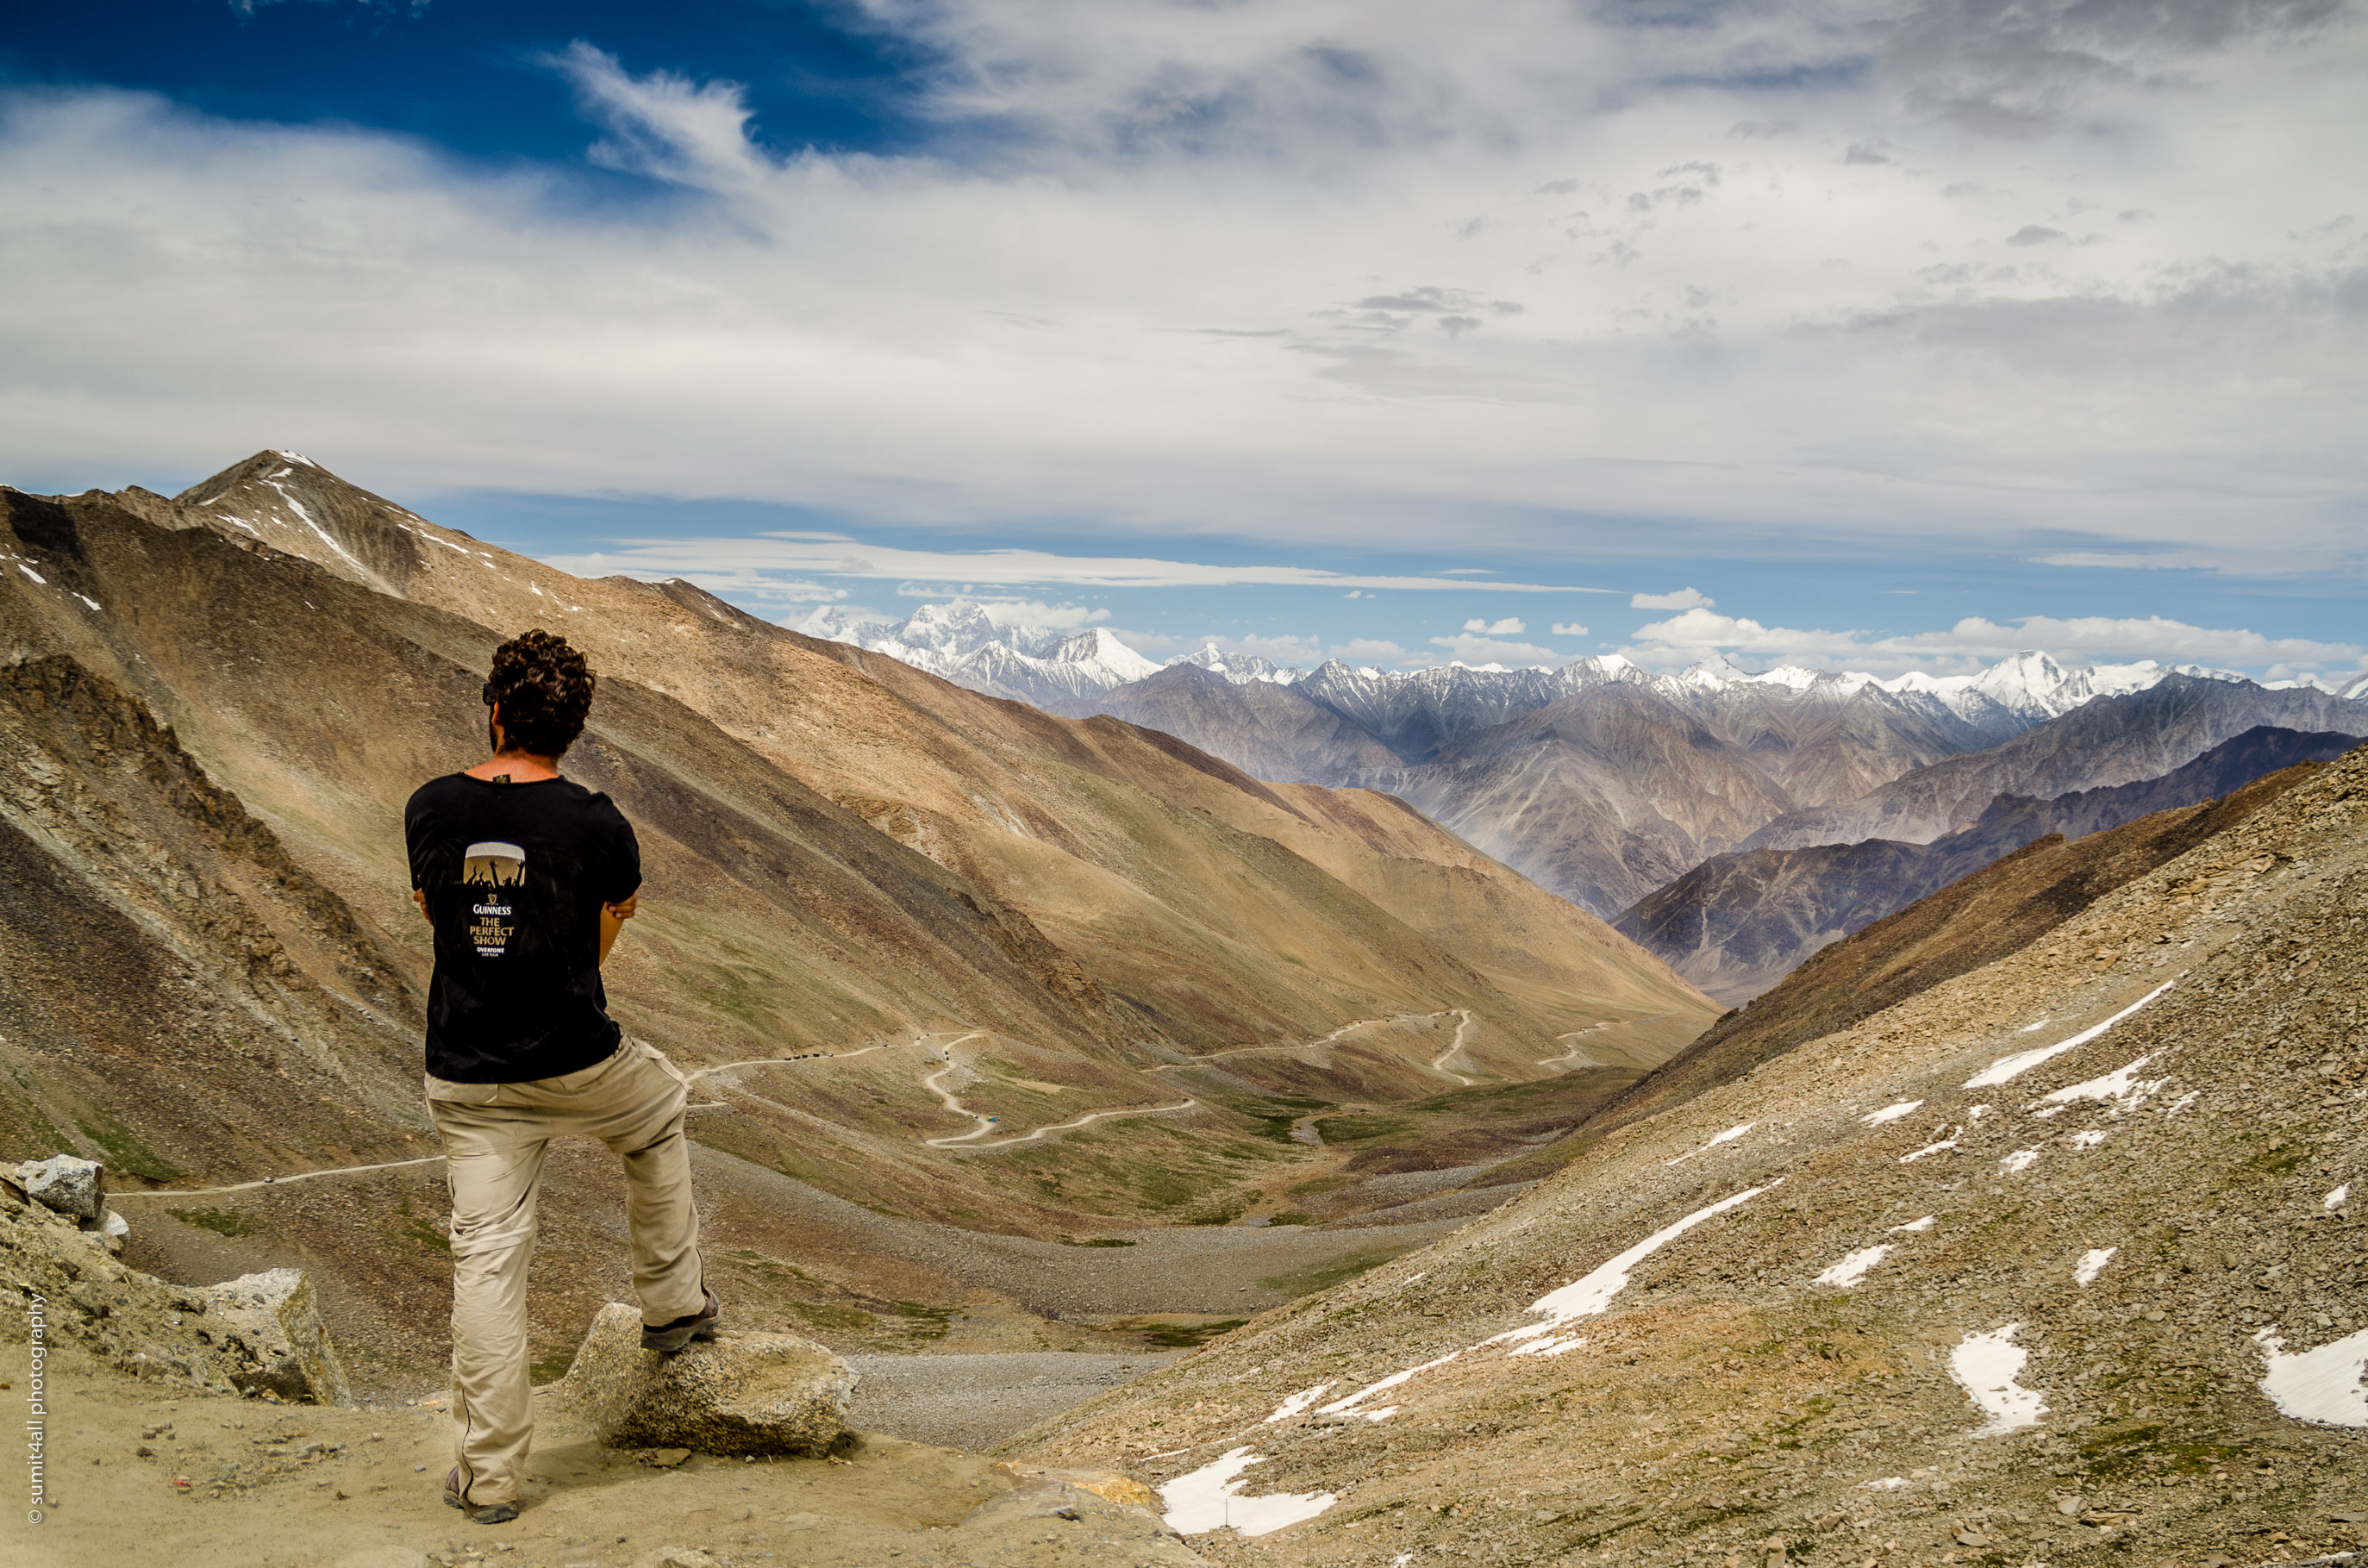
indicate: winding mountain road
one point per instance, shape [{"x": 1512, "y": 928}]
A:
[
  {"x": 965, "y": 1140},
  {"x": 1296, "y": 1045},
  {"x": 960, "y": 1142},
  {"x": 1438, "y": 1063}
]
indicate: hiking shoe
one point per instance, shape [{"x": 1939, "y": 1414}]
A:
[
  {"x": 479, "y": 1512},
  {"x": 669, "y": 1338}
]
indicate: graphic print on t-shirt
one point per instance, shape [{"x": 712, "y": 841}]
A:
[{"x": 492, "y": 868}]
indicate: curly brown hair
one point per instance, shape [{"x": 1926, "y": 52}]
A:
[{"x": 544, "y": 689}]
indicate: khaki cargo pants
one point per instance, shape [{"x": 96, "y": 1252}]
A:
[{"x": 494, "y": 1136}]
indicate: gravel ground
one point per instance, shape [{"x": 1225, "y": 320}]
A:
[
  {"x": 1426, "y": 1211},
  {"x": 1226, "y": 1269},
  {"x": 974, "y": 1401}
]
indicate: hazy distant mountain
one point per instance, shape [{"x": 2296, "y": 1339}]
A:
[
  {"x": 1416, "y": 712},
  {"x": 1599, "y": 780},
  {"x": 2110, "y": 740},
  {"x": 1739, "y": 923},
  {"x": 1268, "y": 729}
]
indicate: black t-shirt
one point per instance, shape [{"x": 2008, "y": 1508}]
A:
[{"x": 515, "y": 876}]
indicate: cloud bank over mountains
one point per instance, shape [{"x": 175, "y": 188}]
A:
[{"x": 2083, "y": 273}]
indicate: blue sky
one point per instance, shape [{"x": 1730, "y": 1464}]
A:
[{"x": 1899, "y": 332}]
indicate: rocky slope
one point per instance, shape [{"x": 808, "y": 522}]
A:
[
  {"x": 2056, "y": 1259},
  {"x": 1737, "y": 923},
  {"x": 1975, "y": 921},
  {"x": 881, "y": 909}
]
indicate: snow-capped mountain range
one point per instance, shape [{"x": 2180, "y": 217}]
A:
[{"x": 965, "y": 642}]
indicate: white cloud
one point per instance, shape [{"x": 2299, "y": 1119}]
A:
[
  {"x": 1171, "y": 264},
  {"x": 758, "y": 589},
  {"x": 1038, "y": 616},
  {"x": 1701, "y": 634},
  {"x": 663, "y": 125},
  {"x": 1684, "y": 599},
  {"x": 1472, "y": 648},
  {"x": 1510, "y": 627},
  {"x": 1568, "y": 628},
  {"x": 929, "y": 570}
]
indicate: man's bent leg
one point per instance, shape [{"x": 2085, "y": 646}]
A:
[
  {"x": 494, "y": 1165},
  {"x": 642, "y": 1103}
]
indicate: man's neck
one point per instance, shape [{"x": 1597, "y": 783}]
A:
[{"x": 515, "y": 768}]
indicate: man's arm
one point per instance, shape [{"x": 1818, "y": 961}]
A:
[{"x": 612, "y": 920}]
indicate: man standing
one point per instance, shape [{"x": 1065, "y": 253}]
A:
[{"x": 527, "y": 879}]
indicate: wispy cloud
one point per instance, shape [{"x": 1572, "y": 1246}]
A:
[
  {"x": 664, "y": 125},
  {"x": 1684, "y": 599},
  {"x": 753, "y": 561}
]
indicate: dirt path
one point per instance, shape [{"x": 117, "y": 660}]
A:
[
  {"x": 114, "y": 1194},
  {"x": 1297, "y": 1045},
  {"x": 961, "y": 1140},
  {"x": 965, "y": 1141},
  {"x": 1577, "y": 1055},
  {"x": 1438, "y": 1062}
]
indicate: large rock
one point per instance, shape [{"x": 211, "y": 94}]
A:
[
  {"x": 276, "y": 1318},
  {"x": 260, "y": 1334},
  {"x": 738, "y": 1393},
  {"x": 67, "y": 1185}
]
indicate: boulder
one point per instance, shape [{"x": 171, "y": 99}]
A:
[
  {"x": 66, "y": 1184},
  {"x": 741, "y": 1392},
  {"x": 260, "y": 1334},
  {"x": 275, "y": 1318}
]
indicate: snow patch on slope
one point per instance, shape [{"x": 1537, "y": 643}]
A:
[
  {"x": 2005, "y": 1069},
  {"x": 1987, "y": 1367},
  {"x": 2321, "y": 1385},
  {"x": 1854, "y": 1267},
  {"x": 1210, "y": 1499}
]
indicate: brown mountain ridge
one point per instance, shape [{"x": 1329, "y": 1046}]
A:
[{"x": 881, "y": 910}]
